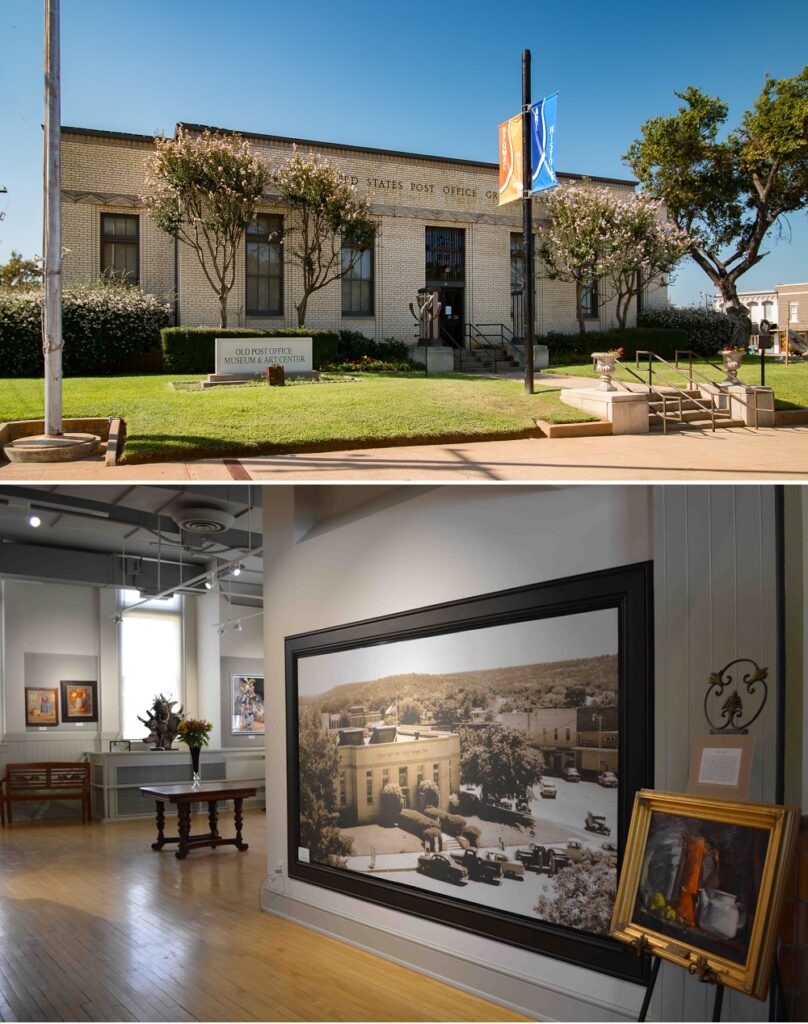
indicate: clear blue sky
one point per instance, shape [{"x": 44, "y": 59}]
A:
[{"x": 398, "y": 74}]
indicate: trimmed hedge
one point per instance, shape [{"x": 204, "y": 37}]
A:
[
  {"x": 576, "y": 348},
  {"x": 472, "y": 834},
  {"x": 453, "y": 824},
  {"x": 193, "y": 349},
  {"x": 433, "y": 812},
  {"x": 103, "y": 325},
  {"x": 415, "y": 822},
  {"x": 707, "y": 329},
  {"x": 354, "y": 345}
]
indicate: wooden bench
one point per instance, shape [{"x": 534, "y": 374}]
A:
[{"x": 46, "y": 780}]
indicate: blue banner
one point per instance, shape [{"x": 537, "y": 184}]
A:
[{"x": 543, "y": 143}]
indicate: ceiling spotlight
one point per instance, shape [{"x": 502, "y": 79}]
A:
[
  {"x": 237, "y": 626},
  {"x": 237, "y": 569},
  {"x": 33, "y": 520},
  {"x": 209, "y": 583}
]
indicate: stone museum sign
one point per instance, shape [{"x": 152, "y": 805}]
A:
[{"x": 243, "y": 356}]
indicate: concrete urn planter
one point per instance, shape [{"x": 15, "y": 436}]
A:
[
  {"x": 604, "y": 366},
  {"x": 732, "y": 363}
]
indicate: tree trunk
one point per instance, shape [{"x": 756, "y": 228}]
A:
[
  {"x": 301, "y": 311},
  {"x": 223, "y": 309},
  {"x": 621, "y": 310},
  {"x": 579, "y": 309},
  {"x": 736, "y": 310}
]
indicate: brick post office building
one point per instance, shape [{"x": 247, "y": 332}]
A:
[{"x": 439, "y": 227}]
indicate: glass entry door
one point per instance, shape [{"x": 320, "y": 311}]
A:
[{"x": 445, "y": 259}]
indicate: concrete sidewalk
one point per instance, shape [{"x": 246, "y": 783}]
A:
[{"x": 726, "y": 456}]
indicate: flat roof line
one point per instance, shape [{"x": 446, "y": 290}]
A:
[{"x": 130, "y": 136}]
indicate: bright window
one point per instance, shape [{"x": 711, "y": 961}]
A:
[
  {"x": 151, "y": 658},
  {"x": 792, "y": 312}
]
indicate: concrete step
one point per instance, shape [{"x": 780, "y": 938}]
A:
[
  {"x": 656, "y": 426},
  {"x": 689, "y": 414}
]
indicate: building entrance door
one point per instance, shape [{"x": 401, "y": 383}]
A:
[{"x": 451, "y": 315}]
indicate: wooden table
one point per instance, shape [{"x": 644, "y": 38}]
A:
[{"x": 183, "y": 795}]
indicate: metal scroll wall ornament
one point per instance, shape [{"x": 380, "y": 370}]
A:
[{"x": 731, "y": 714}]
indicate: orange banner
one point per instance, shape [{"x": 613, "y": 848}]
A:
[{"x": 510, "y": 160}]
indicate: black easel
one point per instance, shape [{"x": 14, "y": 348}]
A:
[{"x": 775, "y": 988}]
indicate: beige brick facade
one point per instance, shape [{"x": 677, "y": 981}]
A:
[{"x": 105, "y": 172}]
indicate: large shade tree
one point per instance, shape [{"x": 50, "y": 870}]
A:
[
  {"x": 727, "y": 190},
  {"x": 319, "y": 806},
  {"x": 331, "y": 226},
  {"x": 203, "y": 189},
  {"x": 499, "y": 761}
]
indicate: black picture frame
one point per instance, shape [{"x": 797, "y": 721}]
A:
[
  {"x": 629, "y": 590},
  {"x": 69, "y": 713}
]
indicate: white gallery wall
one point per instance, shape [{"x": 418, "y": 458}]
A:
[{"x": 713, "y": 551}]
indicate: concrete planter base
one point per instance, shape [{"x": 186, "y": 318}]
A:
[
  {"x": 25, "y": 441},
  {"x": 437, "y": 358},
  {"x": 626, "y": 411}
]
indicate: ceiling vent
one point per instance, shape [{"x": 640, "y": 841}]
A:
[{"x": 203, "y": 519}]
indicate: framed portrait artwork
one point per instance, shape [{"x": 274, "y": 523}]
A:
[
  {"x": 41, "y": 706},
  {"x": 79, "y": 700},
  {"x": 247, "y": 705},
  {"x": 703, "y": 882},
  {"x": 475, "y": 762}
]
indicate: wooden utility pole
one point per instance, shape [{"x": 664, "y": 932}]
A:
[
  {"x": 52, "y": 311},
  {"x": 527, "y": 223}
]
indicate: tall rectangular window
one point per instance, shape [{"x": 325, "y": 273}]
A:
[
  {"x": 357, "y": 282},
  {"x": 436, "y": 774},
  {"x": 369, "y": 787},
  {"x": 120, "y": 246},
  {"x": 343, "y": 791},
  {"x": 590, "y": 300},
  {"x": 150, "y": 658},
  {"x": 793, "y": 312},
  {"x": 264, "y": 266},
  {"x": 445, "y": 255}
]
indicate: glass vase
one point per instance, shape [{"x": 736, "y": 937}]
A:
[{"x": 195, "y": 752}]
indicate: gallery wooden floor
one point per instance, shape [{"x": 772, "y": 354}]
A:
[{"x": 94, "y": 925}]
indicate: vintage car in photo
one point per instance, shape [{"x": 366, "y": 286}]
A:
[
  {"x": 571, "y": 774},
  {"x": 478, "y": 868},
  {"x": 437, "y": 865},
  {"x": 596, "y": 823},
  {"x": 548, "y": 790},
  {"x": 610, "y": 849},
  {"x": 608, "y": 779},
  {"x": 511, "y": 868},
  {"x": 549, "y": 859}
]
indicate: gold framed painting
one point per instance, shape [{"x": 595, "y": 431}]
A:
[
  {"x": 41, "y": 706},
  {"x": 702, "y": 885}
]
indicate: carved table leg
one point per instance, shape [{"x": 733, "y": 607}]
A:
[
  {"x": 239, "y": 820},
  {"x": 213, "y": 819},
  {"x": 184, "y": 824},
  {"x": 161, "y": 820}
]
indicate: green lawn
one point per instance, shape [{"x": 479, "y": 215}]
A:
[
  {"x": 790, "y": 382},
  {"x": 371, "y": 409}
]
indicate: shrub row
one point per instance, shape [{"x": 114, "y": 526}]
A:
[
  {"x": 574, "y": 348},
  {"x": 415, "y": 822},
  {"x": 193, "y": 349},
  {"x": 354, "y": 345},
  {"x": 103, "y": 325},
  {"x": 707, "y": 330},
  {"x": 452, "y": 824}
]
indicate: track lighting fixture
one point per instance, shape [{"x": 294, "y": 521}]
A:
[
  {"x": 237, "y": 569},
  {"x": 33, "y": 520}
]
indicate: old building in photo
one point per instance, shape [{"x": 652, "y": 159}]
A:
[{"x": 440, "y": 227}]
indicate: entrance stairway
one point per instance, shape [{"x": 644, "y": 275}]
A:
[
  {"x": 485, "y": 360},
  {"x": 450, "y": 844},
  {"x": 686, "y": 409}
]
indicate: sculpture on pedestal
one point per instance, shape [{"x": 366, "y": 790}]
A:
[{"x": 162, "y": 722}]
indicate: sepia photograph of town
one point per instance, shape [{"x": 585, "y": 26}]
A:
[{"x": 481, "y": 765}]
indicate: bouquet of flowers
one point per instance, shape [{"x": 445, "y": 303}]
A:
[
  {"x": 194, "y": 731},
  {"x": 616, "y": 352}
]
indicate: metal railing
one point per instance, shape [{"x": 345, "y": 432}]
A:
[
  {"x": 493, "y": 336},
  {"x": 677, "y": 399},
  {"x": 703, "y": 383}
]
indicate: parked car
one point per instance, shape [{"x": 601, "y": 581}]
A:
[
  {"x": 479, "y": 869},
  {"x": 608, "y": 779},
  {"x": 523, "y": 806},
  {"x": 510, "y": 868},
  {"x": 436, "y": 865},
  {"x": 544, "y": 858},
  {"x": 609, "y": 848},
  {"x": 548, "y": 791},
  {"x": 532, "y": 858},
  {"x": 596, "y": 823},
  {"x": 571, "y": 775}
]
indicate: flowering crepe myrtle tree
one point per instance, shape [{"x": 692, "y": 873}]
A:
[
  {"x": 574, "y": 245},
  {"x": 641, "y": 245},
  {"x": 727, "y": 193},
  {"x": 203, "y": 190},
  {"x": 329, "y": 217}
]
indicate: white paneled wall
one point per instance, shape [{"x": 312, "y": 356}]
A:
[{"x": 714, "y": 592}]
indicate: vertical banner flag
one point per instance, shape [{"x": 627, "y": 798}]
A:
[
  {"x": 543, "y": 143},
  {"x": 510, "y": 160}
]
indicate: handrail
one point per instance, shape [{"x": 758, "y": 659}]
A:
[
  {"x": 500, "y": 333},
  {"x": 665, "y": 398},
  {"x": 704, "y": 382}
]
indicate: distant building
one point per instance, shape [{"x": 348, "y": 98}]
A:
[
  {"x": 358, "y": 715},
  {"x": 404, "y": 756},
  {"x": 785, "y": 305},
  {"x": 552, "y": 730},
  {"x": 597, "y": 747}
]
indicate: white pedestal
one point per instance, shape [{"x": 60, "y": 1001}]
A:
[
  {"x": 437, "y": 359},
  {"x": 626, "y": 411},
  {"x": 746, "y": 412}
]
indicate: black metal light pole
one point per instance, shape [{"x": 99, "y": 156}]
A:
[{"x": 527, "y": 224}]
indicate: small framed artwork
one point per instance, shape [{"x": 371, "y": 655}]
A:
[
  {"x": 79, "y": 701},
  {"x": 41, "y": 706},
  {"x": 116, "y": 746},
  {"x": 247, "y": 705},
  {"x": 702, "y": 885}
]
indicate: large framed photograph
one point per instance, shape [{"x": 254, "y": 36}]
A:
[
  {"x": 703, "y": 882},
  {"x": 475, "y": 762},
  {"x": 41, "y": 707},
  {"x": 247, "y": 701},
  {"x": 79, "y": 701}
]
